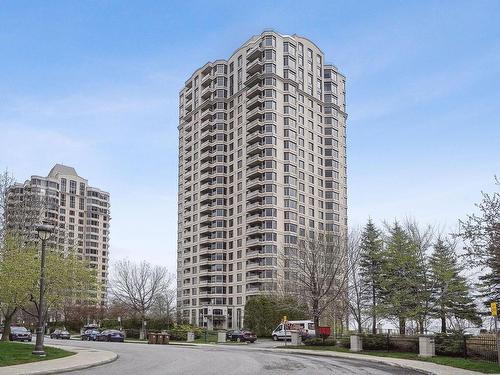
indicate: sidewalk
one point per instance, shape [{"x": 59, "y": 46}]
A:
[
  {"x": 84, "y": 358},
  {"x": 425, "y": 367}
]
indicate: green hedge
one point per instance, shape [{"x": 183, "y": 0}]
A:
[
  {"x": 316, "y": 341},
  {"x": 450, "y": 345}
]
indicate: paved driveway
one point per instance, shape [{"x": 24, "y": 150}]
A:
[{"x": 146, "y": 359}]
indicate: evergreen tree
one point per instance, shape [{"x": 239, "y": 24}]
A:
[
  {"x": 451, "y": 292},
  {"x": 370, "y": 264},
  {"x": 481, "y": 234},
  {"x": 402, "y": 278}
]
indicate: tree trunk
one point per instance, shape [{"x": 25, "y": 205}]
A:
[
  {"x": 142, "y": 332},
  {"x": 443, "y": 322},
  {"x": 421, "y": 326},
  {"x": 315, "y": 311},
  {"x": 7, "y": 323},
  {"x": 374, "y": 315},
  {"x": 402, "y": 326}
]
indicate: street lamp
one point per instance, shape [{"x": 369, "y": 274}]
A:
[{"x": 44, "y": 232}]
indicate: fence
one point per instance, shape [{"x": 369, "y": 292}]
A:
[
  {"x": 481, "y": 347},
  {"x": 476, "y": 347}
]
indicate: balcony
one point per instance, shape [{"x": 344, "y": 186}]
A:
[
  {"x": 255, "y": 137},
  {"x": 253, "y": 79},
  {"x": 254, "y": 218},
  {"x": 255, "y": 66},
  {"x": 254, "y": 206},
  {"x": 254, "y": 148},
  {"x": 253, "y": 277},
  {"x": 254, "y": 114},
  {"x": 206, "y": 103},
  {"x": 254, "y": 102},
  {"x": 254, "y": 182},
  {"x": 255, "y": 194},
  {"x": 254, "y": 90},
  {"x": 253, "y": 241},
  {"x": 254, "y": 160},
  {"x": 254, "y": 53},
  {"x": 207, "y": 92},
  {"x": 254, "y": 125},
  {"x": 253, "y": 290},
  {"x": 251, "y": 266},
  {"x": 206, "y": 80}
]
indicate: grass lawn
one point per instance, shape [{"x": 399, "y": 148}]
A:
[
  {"x": 15, "y": 353},
  {"x": 481, "y": 366}
]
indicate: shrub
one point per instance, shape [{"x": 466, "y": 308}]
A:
[
  {"x": 316, "y": 341},
  {"x": 179, "y": 332},
  {"x": 450, "y": 345},
  {"x": 407, "y": 344},
  {"x": 132, "y": 333},
  {"x": 375, "y": 342},
  {"x": 345, "y": 342}
]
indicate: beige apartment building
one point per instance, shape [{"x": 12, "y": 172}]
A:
[
  {"x": 80, "y": 213},
  {"x": 262, "y": 160}
]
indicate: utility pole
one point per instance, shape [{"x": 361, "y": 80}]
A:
[{"x": 494, "y": 314}]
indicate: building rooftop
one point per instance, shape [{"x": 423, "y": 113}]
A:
[{"x": 60, "y": 169}]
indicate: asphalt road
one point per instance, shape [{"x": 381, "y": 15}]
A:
[{"x": 143, "y": 359}]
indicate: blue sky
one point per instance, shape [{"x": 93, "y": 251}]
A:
[{"x": 101, "y": 79}]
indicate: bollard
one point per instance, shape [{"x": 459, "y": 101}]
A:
[
  {"x": 221, "y": 337},
  {"x": 356, "y": 343},
  {"x": 296, "y": 339}
]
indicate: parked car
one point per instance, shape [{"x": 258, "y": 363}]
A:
[
  {"x": 240, "y": 336},
  {"x": 90, "y": 334},
  {"x": 60, "y": 334},
  {"x": 19, "y": 334},
  {"x": 111, "y": 335}
]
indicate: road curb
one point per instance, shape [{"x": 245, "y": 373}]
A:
[{"x": 62, "y": 365}]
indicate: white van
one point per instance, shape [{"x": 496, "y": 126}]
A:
[{"x": 305, "y": 327}]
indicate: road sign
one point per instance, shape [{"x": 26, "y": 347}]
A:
[
  {"x": 285, "y": 318},
  {"x": 493, "y": 307}
]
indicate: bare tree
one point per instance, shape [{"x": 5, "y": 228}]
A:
[
  {"x": 317, "y": 270},
  {"x": 164, "y": 305},
  {"x": 139, "y": 286},
  {"x": 6, "y": 183}
]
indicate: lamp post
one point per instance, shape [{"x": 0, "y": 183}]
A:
[{"x": 44, "y": 232}]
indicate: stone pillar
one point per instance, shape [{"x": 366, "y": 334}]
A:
[
  {"x": 296, "y": 339},
  {"x": 356, "y": 343},
  {"x": 190, "y": 337},
  {"x": 221, "y": 337},
  {"x": 426, "y": 346}
]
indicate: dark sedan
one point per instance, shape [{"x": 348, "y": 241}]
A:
[
  {"x": 111, "y": 335},
  {"x": 19, "y": 334},
  {"x": 90, "y": 334},
  {"x": 60, "y": 334},
  {"x": 241, "y": 336}
]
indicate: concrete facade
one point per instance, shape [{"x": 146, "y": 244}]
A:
[{"x": 262, "y": 160}]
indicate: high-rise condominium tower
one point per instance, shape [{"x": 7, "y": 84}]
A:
[
  {"x": 80, "y": 213},
  {"x": 262, "y": 160}
]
